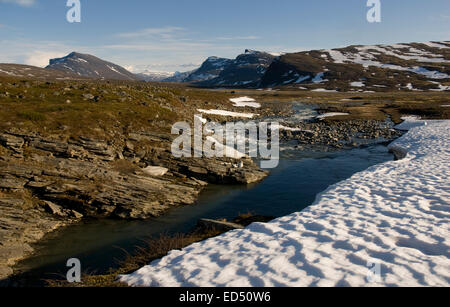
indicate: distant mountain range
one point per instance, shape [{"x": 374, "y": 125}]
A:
[
  {"x": 410, "y": 67},
  {"x": 154, "y": 76}
]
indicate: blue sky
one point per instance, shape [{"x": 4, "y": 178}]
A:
[{"x": 171, "y": 35}]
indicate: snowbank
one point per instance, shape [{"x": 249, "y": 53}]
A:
[
  {"x": 227, "y": 113},
  {"x": 331, "y": 114},
  {"x": 324, "y": 90},
  {"x": 245, "y": 102},
  {"x": 396, "y": 214}
]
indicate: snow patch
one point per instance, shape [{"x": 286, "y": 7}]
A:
[
  {"x": 245, "y": 102},
  {"x": 357, "y": 84},
  {"x": 227, "y": 113},
  {"x": 324, "y": 90},
  {"x": 331, "y": 114}
]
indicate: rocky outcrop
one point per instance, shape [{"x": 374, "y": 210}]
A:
[
  {"x": 50, "y": 181},
  {"x": 20, "y": 225}
]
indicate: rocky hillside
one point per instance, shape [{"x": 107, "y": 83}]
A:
[
  {"x": 244, "y": 71},
  {"x": 377, "y": 68},
  {"x": 406, "y": 67},
  {"x": 86, "y": 65},
  {"x": 210, "y": 69}
]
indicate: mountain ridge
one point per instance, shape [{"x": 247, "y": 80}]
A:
[
  {"x": 90, "y": 66},
  {"x": 359, "y": 68},
  {"x": 412, "y": 66},
  {"x": 245, "y": 70}
]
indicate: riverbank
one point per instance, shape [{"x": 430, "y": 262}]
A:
[{"x": 393, "y": 216}]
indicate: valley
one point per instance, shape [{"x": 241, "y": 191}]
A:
[
  {"x": 73, "y": 150},
  {"x": 86, "y": 142}
]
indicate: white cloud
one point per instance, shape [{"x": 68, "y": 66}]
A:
[
  {"x": 250, "y": 37},
  {"x": 163, "y": 32},
  {"x": 20, "y": 2},
  {"x": 158, "y": 46},
  {"x": 36, "y": 53},
  {"x": 41, "y": 58},
  {"x": 167, "y": 48}
]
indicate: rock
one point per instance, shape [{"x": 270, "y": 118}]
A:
[
  {"x": 12, "y": 183},
  {"x": 200, "y": 182},
  {"x": 197, "y": 170},
  {"x": 54, "y": 209},
  {"x": 129, "y": 146},
  {"x": 12, "y": 142},
  {"x": 88, "y": 97},
  {"x": 75, "y": 214},
  {"x": 20, "y": 226},
  {"x": 156, "y": 171}
]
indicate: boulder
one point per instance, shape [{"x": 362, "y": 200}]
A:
[{"x": 155, "y": 171}]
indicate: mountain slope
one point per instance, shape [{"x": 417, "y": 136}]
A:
[
  {"x": 415, "y": 66},
  {"x": 246, "y": 70},
  {"x": 27, "y": 71},
  {"x": 210, "y": 69},
  {"x": 86, "y": 65}
]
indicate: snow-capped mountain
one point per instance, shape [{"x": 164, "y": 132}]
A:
[
  {"x": 179, "y": 76},
  {"x": 414, "y": 67},
  {"x": 154, "y": 76},
  {"x": 246, "y": 70},
  {"x": 210, "y": 69},
  {"x": 86, "y": 65}
]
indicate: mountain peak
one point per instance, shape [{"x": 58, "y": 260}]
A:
[{"x": 87, "y": 65}]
